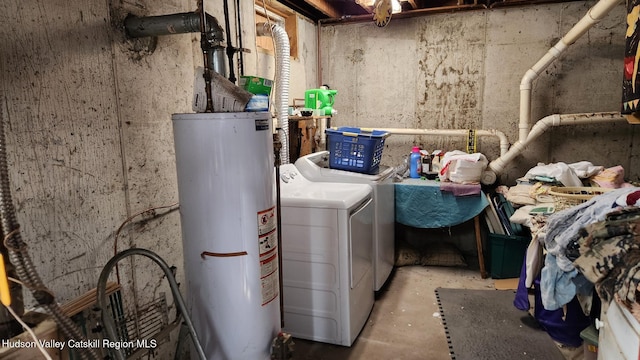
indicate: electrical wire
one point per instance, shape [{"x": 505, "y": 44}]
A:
[
  {"x": 15, "y": 280},
  {"x": 115, "y": 240},
  {"x": 41, "y": 293},
  {"x": 28, "y": 329},
  {"x": 20, "y": 259}
]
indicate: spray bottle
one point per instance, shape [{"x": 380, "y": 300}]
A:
[{"x": 415, "y": 163}]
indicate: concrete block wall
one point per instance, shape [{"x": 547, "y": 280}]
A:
[
  {"x": 463, "y": 70},
  {"x": 87, "y": 116},
  {"x": 88, "y": 112}
]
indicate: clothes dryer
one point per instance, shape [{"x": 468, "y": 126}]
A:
[
  {"x": 315, "y": 167},
  {"x": 327, "y": 268}
]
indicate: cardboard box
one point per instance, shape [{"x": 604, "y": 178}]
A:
[{"x": 256, "y": 85}]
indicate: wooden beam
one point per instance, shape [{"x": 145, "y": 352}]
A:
[
  {"x": 363, "y": 4},
  {"x": 325, "y": 8},
  {"x": 413, "y": 4}
]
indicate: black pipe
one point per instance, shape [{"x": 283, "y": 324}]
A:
[
  {"x": 206, "y": 54},
  {"x": 239, "y": 27},
  {"x": 181, "y": 23},
  {"x": 230, "y": 49},
  {"x": 277, "y": 145}
]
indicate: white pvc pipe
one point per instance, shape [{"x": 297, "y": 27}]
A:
[
  {"x": 546, "y": 123},
  {"x": 281, "y": 39},
  {"x": 593, "y": 16},
  {"x": 504, "y": 142},
  {"x": 322, "y": 126},
  {"x": 526, "y": 85}
]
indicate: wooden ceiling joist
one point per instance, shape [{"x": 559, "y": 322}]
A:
[
  {"x": 413, "y": 3},
  {"x": 326, "y": 8}
]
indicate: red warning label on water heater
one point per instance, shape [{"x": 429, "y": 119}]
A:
[
  {"x": 268, "y": 245},
  {"x": 266, "y": 221}
]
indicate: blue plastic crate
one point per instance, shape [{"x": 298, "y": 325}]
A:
[{"x": 355, "y": 149}]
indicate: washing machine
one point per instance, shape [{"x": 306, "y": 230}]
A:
[
  {"x": 315, "y": 167},
  {"x": 327, "y": 267}
]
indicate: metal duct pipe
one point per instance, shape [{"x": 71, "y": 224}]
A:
[
  {"x": 498, "y": 165},
  {"x": 278, "y": 33},
  {"x": 182, "y": 23},
  {"x": 107, "y": 319},
  {"x": 593, "y": 16},
  {"x": 504, "y": 142}
]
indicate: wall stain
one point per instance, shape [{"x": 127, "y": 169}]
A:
[{"x": 357, "y": 56}]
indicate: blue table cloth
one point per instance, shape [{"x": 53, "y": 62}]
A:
[{"x": 420, "y": 203}]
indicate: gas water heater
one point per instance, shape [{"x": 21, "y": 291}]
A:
[{"x": 225, "y": 167}]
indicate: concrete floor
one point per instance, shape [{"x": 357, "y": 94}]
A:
[{"x": 404, "y": 323}]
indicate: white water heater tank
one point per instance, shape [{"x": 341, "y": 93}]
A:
[{"x": 225, "y": 167}]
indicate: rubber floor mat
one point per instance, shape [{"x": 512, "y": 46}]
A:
[{"x": 484, "y": 325}]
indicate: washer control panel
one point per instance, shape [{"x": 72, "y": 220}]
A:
[{"x": 289, "y": 174}]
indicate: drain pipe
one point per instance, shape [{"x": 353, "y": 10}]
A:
[
  {"x": 504, "y": 142},
  {"x": 593, "y": 16},
  {"x": 282, "y": 82},
  {"x": 182, "y": 23},
  {"x": 498, "y": 165}
]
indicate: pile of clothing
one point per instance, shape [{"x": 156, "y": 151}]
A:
[
  {"x": 608, "y": 253},
  {"x": 560, "y": 279},
  {"x": 565, "y": 254}
]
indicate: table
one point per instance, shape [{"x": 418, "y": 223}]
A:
[
  {"x": 302, "y": 133},
  {"x": 420, "y": 203}
]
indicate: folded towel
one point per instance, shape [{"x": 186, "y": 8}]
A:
[{"x": 460, "y": 189}]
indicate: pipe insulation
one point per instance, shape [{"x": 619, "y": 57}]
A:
[
  {"x": 182, "y": 23},
  {"x": 546, "y": 123},
  {"x": 504, "y": 142},
  {"x": 281, "y": 39},
  {"x": 593, "y": 16}
]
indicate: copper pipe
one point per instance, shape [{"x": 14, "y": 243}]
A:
[{"x": 207, "y": 253}]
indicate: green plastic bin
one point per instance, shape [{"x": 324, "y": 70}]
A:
[{"x": 506, "y": 255}]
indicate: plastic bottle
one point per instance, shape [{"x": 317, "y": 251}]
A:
[
  {"x": 415, "y": 163},
  {"x": 426, "y": 162}
]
